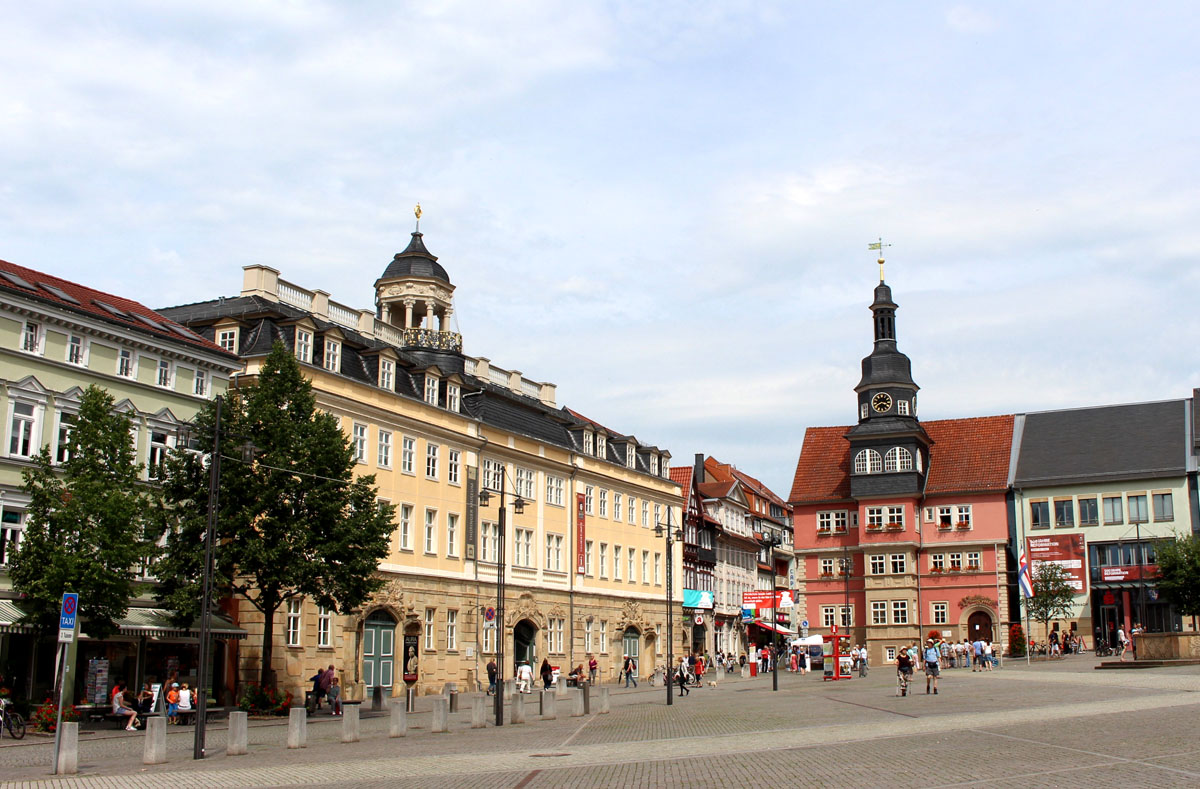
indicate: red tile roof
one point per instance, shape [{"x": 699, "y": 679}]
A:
[
  {"x": 968, "y": 455},
  {"x": 716, "y": 490},
  {"x": 683, "y": 476},
  {"x": 81, "y": 299},
  {"x": 758, "y": 488}
]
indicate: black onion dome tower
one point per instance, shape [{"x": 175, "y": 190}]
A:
[{"x": 887, "y": 414}]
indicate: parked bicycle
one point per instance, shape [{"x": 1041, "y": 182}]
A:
[
  {"x": 1104, "y": 650},
  {"x": 11, "y": 720}
]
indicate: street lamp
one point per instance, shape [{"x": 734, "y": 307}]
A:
[
  {"x": 518, "y": 505},
  {"x": 672, "y": 535},
  {"x": 771, "y": 543},
  {"x": 846, "y": 564}
]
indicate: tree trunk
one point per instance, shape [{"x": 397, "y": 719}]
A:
[{"x": 266, "y": 677}]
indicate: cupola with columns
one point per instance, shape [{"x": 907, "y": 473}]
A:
[{"x": 416, "y": 297}]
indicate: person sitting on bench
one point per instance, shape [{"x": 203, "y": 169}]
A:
[
  {"x": 185, "y": 708},
  {"x": 120, "y": 706}
]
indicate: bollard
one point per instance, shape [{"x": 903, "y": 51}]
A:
[
  {"x": 518, "y": 708},
  {"x": 549, "y": 706},
  {"x": 377, "y": 698},
  {"x": 453, "y": 695},
  {"x": 410, "y": 699},
  {"x": 509, "y": 688},
  {"x": 602, "y": 697},
  {"x": 441, "y": 715},
  {"x": 560, "y": 689},
  {"x": 577, "y": 705},
  {"x": 350, "y": 723},
  {"x": 68, "y": 755},
  {"x": 399, "y": 722},
  {"x": 238, "y": 734},
  {"x": 297, "y": 727},
  {"x": 478, "y": 712},
  {"x": 586, "y": 690},
  {"x": 155, "y": 749}
]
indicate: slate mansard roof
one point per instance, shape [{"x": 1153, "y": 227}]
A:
[
  {"x": 265, "y": 322},
  {"x": 102, "y": 307},
  {"x": 1107, "y": 443},
  {"x": 966, "y": 456}
]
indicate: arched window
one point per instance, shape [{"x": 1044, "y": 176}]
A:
[
  {"x": 898, "y": 459},
  {"x": 868, "y": 461}
]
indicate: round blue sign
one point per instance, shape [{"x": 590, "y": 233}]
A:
[{"x": 804, "y": 623}]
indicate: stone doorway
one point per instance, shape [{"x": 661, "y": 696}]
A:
[
  {"x": 525, "y": 644},
  {"x": 979, "y": 626}
]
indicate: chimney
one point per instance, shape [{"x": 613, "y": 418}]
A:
[{"x": 698, "y": 468}]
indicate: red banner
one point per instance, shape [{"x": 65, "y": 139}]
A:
[
  {"x": 1129, "y": 573},
  {"x": 580, "y": 527},
  {"x": 1068, "y": 551},
  {"x": 765, "y": 598}
]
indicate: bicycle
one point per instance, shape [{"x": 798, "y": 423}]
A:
[
  {"x": 1104, "y": 650},
  {"x": 13, "y": 721}
]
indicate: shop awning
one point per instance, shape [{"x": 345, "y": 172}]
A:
[
  {"x": 156, "y": 623},
  {"x": 9, "y": 616},
  {"x": 780, "y": 629}
]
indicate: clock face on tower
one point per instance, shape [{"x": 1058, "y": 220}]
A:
[{"x": 881, "y": 402}]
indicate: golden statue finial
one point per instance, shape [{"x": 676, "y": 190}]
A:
[
  {"x": 879, "y": 247},
  {"x": 417, "y": 213}
]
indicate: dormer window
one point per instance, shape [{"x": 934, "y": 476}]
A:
[
  {"x": 868, "y": 461},
  {"x": 304, "y": 345},
  {"x": 588, "y": 442},
  {"x": 387, "y": 374},
  {"x": 601, "y": 445},
  {"x": 228, "y": 339},
  {"x": 453, "y": 392},
  {"x": 333, "y": 355},
  {"x": 631, "y": 456},
  {"x": 431, "y": 389},
  {"x": 654, "y": 464}
]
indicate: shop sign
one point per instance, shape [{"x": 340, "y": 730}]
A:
[
  {"x": 765, "y": 598},
  {"x": 696, "y": 598},
  {"x": 472, "y": 527},
  {"x": 1068, "y": 551},
  {"x": 699, "y": 620},
  {"x": 1123, "y": 573}
]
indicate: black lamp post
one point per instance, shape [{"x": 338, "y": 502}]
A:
[
  {"x": 205, "y": 662},
  {"x": 771, "y": 543},
  {"x": 518, "y": 505},
  {"x": 847, "y": 566},
  {"x": 672, "y": 535}
]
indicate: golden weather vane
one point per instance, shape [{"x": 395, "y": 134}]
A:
[
  {"x": 417, "y": 214},
  {"x": 879, "y": 246}
]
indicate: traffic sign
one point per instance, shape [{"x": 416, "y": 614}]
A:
[
  {"x": 804, "y": 623},
  {"x": 68, "y": 617}
]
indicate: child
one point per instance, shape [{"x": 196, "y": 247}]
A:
[
  {"x": 173, "y": 703},
  {"x": 335, "y": 697}
]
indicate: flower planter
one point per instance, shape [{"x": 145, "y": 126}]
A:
[{"x": 963, "y": 526}]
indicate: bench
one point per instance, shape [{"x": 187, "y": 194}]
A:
[{"x": 188, "y": 717}]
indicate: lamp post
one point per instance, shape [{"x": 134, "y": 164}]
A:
[
  {"x": 205, "y": 663},
  {"x": 771, "y": 543},
  {"x": 518, "y": 504},
  {"x": 847, "y": 565},
  {"x": 672, "y": 535}
]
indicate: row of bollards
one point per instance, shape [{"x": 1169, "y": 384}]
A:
[{"x": 154, "y": 749}]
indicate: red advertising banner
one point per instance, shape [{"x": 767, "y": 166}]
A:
[
  {"x": 580, "y": 527},
  {"x": 1068, "y": 551},
  {"x": 765, "y": 598},
  {"x": 1128, "y": 573}
]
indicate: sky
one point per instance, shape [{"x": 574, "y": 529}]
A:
[{"x": 663, "y": 208}]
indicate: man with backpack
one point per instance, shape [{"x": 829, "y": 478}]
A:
[{"x": 630, "y": 669}]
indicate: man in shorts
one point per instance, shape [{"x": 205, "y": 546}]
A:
[{"x": 932, "y": 670}]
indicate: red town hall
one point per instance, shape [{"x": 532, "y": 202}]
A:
[{"x": 900, "y": 525}]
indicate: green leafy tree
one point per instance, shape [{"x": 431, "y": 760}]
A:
[
  {"x": 292, "y": 521},
  {"x": 1178, "y": 576},
  {"x": 1053, "y": 597},
  {"x": 86, "y": 530}
]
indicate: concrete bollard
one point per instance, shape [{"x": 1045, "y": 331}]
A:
[
  {"x": 602, "y": 697},
  {"x": 586, "y": 690},
  {"x": 453, "y": 696},
  {"x": 549, "y": 706},
  {"x": 399, "y": 723},
  {"x": 410, "y": 699},
  {"x": 155, "y": 749},
  {"x": 745, "y": 672},
  {"x": 518, "y": 708},
  {"x": 297, "y": 727},
  {"x": 377, "y": 698},
  {"x": 560, "y": 688},
  {"x": 509, "y": 688},
  {"x": 441, "y": 715},
  {"x": 577, "y": 705},
  {"x": 68, "y": 756},
  {"x": 350, "y": 723},
  {"x": 478, "y": 712},
  {"x": 238, "y": 734}
]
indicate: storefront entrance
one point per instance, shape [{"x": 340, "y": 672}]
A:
[
  {"x": 525, "y": 643},
  {"x": 698, "y": 638},
  {"x": 379, "y": 650},
  {"x": 979, "y": 626}
]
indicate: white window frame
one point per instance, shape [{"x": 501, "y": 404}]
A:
[
  {"x": 304, "y": 345},
  {"x": 384, "y": 447},
  {"x": 618, "y": 556},
  {"x": 324, "y": 627},
  {"x": 523, "y": 548},
  {"x": 430, "y": 623},
  {"x": 603, "y": 554},
  {"x": 227, "y": 339},
  {"x": 899, "y": 610},
  {"x": 32, "y": 338},
  {"x": 453, "y": 395},
  {"x": 632, "y": 510},
  {"x": 387, "y": 374},
  {"x": 554, "y": 490},
  {"x": 405, "y": 527},
  {"x": 77, "y": 349},
  {"x": 588, "y": 551},
  {"x": 453, "y": 466},
  {"x": 940, "y": 613},
  {"x": 126, "y": 363},
  {"x": 895, "y": 515},
  {"x": 164, "y": 375},
  {"x": 897, "y": 459},
  {"x": 408, "y": 452},
  {"x": 554, "y": 552},
  {"x": 589, "y": 500},
  {"x": 431, "y": 389},
  {"x": 200, "y": 383},
  {"x": 603, "y": 503},
  {"x": 451, "y": 630},
  {"x": 359, "y": 440},
  {"x": 898, "y": 563},
  {"x": 657, "y": 568},
  {"x": 295, "y": 622},
  {"x": 878, "y": 564},
  {"x": 332, "y": 360},
  {"x": 431, "y": 530},
  {"x": 431, "y": 460},
  {"x": 24, "y": 430},
  {"x": 630, "y": 561},
  {"x": 616, "y": 512},
  {"x": 879, "y": 612},
  {"x": 868, "y": 461},
  {"x": 452, "y": 534}
]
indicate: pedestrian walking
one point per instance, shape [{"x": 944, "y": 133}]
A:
[
  {"x": 1122, "y": 642},
  {"x": 593, "y": 669},
  {"x": 681, "y": 677},
  {"x": 630, "y": 668},
  {"x": 524, "y": 677},
  {"x": 862, "y": 661},
  {"x": 491, "y": 672},
  {"x": 931, "y": 666},
  {"x": 547, "y": 674}
]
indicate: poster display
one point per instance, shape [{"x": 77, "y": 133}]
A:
[
  {"x": 1068, "y": 551},
  {"x": 411, "y": 666},
  {"x": 580, "y": 527},
  {"x": 97, "y": 681}
]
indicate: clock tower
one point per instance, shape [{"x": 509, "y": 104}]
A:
[{"x": 888, "y": 447}]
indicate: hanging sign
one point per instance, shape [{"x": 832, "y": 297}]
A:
[{"x": 580, "y": 527}]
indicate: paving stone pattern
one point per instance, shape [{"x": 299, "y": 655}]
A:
[{"x": 1049, "y": 724}]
